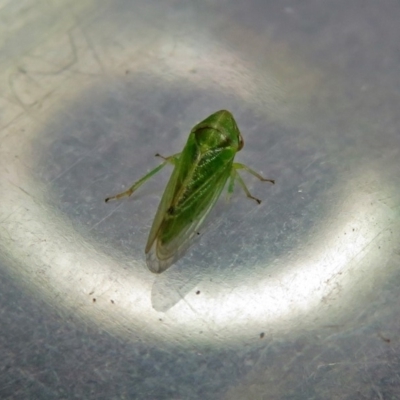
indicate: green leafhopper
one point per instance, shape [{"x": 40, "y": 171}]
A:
[{"x": 200, "y": 173}]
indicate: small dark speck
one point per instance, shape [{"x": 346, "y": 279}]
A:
[
  {"x": 262, "y": 334},
  {"x": 353, "y": 229},
  {"x": 91, "y": 292},
  {"x": 112, "y": 301},
  {"x": 198, "y": 292},
  {"x": 160, "y": 319},
  {"x": 94, "y": 300},
  {"x": 385, "y": 339},
  {"x": 127, "y": 72},
  {"x": 198, "y": 233}
]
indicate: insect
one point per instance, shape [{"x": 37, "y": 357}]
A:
[{"x": 200, "y": 173}]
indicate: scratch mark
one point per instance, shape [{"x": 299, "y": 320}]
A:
[
  {"x": 95, "y": 54},
  {"x": 248, "y": 213},
  {"x": 9, "y": 124},
  {"x": 27, "y": 107},
  {"x": 22, "y": 189},
  {"x": 102, "y": 179},
  {"x": 67, "y": 169},
  {"x": 367, "y": 244},
  {"x": 16, "y": 95},
  {"x": 9, "y": 215},
  {"x": 87, "y": 154},
  {"x": 60, "y": 69},
  {"x": 89, "y": 42},
  {"x": 311, "y": 163},
  {"x": 107, "y": 216}
]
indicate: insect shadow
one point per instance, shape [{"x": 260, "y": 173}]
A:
[
  {"x": 170, "y": 288},
  {"x": 197, "y": 266}
]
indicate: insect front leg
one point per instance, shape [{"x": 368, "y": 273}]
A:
[{"x": 172, "y": 159}]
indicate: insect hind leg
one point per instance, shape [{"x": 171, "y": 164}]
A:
[{"x": 171, "y": 159}]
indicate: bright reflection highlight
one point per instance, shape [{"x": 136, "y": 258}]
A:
[
  {"x": 69, "y": 272},
  {"x": 47, "y": 253}
]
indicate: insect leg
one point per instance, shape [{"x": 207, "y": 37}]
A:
[
  {"x": 171, "y": 159},
  {"x": 249, "y": 170},
  {"x": 128, "y": 192},
  {"x": 231, "y": 184},
  {"x": 243, "y": 185}
]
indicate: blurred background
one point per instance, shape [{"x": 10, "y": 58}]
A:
[{"x": 296, "y": 298}]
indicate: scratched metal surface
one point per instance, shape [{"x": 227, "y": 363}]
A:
[{"x": 296, "y": 298}]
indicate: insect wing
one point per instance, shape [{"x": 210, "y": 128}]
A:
[
  {"x": 159, "y": 254},
  {"x": 165, "y": 203}
]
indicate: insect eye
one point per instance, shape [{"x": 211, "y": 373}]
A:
[{"x": 241, "y": 143}]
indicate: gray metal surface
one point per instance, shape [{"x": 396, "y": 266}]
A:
[{"x": 296, "y": 298}]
